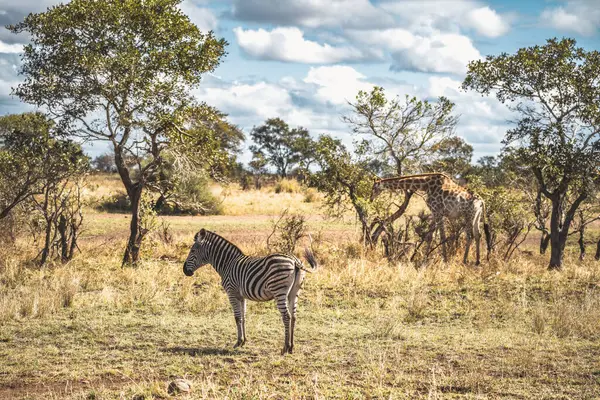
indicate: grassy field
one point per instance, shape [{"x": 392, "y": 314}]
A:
[{"x": 366, "y": 329}]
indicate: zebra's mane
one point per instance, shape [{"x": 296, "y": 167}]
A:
[{"x": 215, "y": 238}]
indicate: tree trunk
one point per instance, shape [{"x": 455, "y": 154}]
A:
[
  {"x": 581, "y": 242},
  {"x": 46, "y": 249},
  {"x": 597, "y": 256},
  {"x": 559, "y": 228},
  {"x": 381, "y": 226},
  {"x": 62, "y": 232},
  {"x": 557, "y": 239},
  {"x": 136, "y": 233},
  {"x": 557, "y": 247},
  {"x": 73, "y": 244},
  {"x": 544, "y": 242}
]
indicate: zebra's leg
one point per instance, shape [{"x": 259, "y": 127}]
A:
[
  {"x": 293, "y": 302},
  {"x": 236, "y": 304},
  {"x": 282, "y": 306},
  {"x": 243, "y": 301}
]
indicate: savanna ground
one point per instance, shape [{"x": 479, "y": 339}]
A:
[{"x": 366, "y": 329}]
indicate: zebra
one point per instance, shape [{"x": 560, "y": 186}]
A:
[{"x": 276, "y": 276}]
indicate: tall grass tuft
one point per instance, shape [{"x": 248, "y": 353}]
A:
[{"x": 287, "y": 186}]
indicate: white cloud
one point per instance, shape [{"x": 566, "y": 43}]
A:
[
  {"x": 486, "y": 22},
  {"x": 580, "y": 17},
  {"x": 337, "y": 84},
  {"x": 202, "y": 17},
  {"x": 426, "y": 17},
  {"x": 483, "y": 120},
  {"x": 289, "y": 45},
  {"x": 10, "y": 48},
  {"x": 443, "y": 52},
  {"x": 437, "y": 52},
  {"x": 312, "y": 13}
]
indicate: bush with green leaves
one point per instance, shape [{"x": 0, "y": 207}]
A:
[{"x": 508, "y": 214}]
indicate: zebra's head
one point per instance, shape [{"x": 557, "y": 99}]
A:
[{"x": 198, "y": 254}]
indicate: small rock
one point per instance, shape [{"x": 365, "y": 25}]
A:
[{"x": 179, "y": 386}]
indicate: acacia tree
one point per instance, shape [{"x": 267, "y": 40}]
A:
[
  {"x": 402, "y": 133},
  {"x": 555, "y": 89},
  {"x": 346, "y": 179},
  {"x": 283, "y": 147},
  {"x": 452, "y": 156},
  {"x": 122, "y": 71}
]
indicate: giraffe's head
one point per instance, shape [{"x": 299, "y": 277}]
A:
[
  {"x": 198, "y": 253},
  {"x": 377, "y": 187}
]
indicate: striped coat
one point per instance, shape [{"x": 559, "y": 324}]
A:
[{"x": 276, "y": 276}]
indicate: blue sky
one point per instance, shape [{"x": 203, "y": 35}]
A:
[{"x": 302, "y": 60}]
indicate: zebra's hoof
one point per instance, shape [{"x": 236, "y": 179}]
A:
[{"x": 239, "y": 343}]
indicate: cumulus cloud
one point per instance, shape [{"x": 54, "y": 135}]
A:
[
  {"x": 336, "y": 85},
  {"x": 312, "y": 13},
  {"x": 483, "y": 120},
  {"x": 289, "y": 45},
  {"x": 428, "y": 16},
  {"x": 10, "y": 48},
  {"x": 486, "y": 22},
  {"x": 202, "y": 17},
  {"x": 437, "y": 52},
  {"x": 580, "y": 17},
  {"x": 318, "y": 99}
]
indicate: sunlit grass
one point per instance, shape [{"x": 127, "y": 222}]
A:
[{"x": 366, "y": 328}]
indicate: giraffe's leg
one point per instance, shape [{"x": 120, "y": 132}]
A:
[
  {"x": 293, "y": 302},
  {"x": 468, "y": 245},
  {"x": 236, "y": 304},
  {"x": 477, "y": 234},
  {"x": 443, "y": 239},
  {"x": 282, "y": 306},
  {"x": 430, "y": 237}
]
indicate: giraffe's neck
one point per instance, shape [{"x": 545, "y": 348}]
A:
[{"x": 420, "y": 183}]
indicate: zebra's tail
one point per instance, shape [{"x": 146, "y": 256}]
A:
[{"x": 310, "y": 257}]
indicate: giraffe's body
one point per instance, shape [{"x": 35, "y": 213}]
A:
[{"x": 445, "y": 199}]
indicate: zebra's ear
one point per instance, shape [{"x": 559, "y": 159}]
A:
[{"x": 199, "y": 235}]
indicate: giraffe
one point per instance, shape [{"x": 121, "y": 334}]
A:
[{"x": 445, "y": 199}]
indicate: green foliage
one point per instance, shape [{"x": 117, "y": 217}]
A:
[
  {"x": 281, "y": 146},
  {"x": 104, "y": 163},
  {"x": 401, "y": 134},
  {"x": 33, "y": 156},
  {"x": 453, "y": 157},
  {"x": 343, "y": 178},
  {"x": 192, "y": 195},
  {"x": 555, "y": 90},
  {"x": 508, "y": 213}
]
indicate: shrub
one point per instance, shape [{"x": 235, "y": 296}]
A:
[
  {"x": 310, "y": 195},
  {"x": 287, "y": 186},
  {"x": 191, "y": 195},
  {"x": 286, "y": 232},
  {"x": 118, "y": 202}
]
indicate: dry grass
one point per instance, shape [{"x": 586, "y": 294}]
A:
[{"x": 366, "y": 329}]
